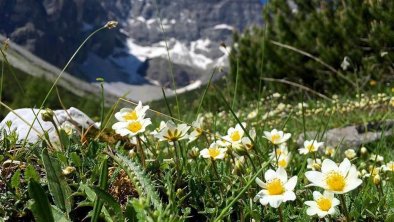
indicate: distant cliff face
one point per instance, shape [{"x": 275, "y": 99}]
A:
[{"x": 137, "y": 51}]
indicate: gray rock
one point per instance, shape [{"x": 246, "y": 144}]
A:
[
  {"x": 352, "y": 136},
  {"x": 72, "y": 117}
]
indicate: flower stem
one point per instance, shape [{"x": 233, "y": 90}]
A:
[
  {"x": 215, "y": 169},
  {"x": 141, "y": 151},
  {"x": 344, "y": 208},
  {"x": 280, "y": 214}
]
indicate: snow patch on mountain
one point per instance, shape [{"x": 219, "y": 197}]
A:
[
  {"x": 180, "y": 53},
  {"x": 224, "y": 26}
]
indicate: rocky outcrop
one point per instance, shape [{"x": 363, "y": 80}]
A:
[
  {"x": 20, "y": 121},
  {"x": 352, "y": 136}
]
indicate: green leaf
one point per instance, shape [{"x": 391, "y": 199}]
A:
[
  {"x": 40, "y": 208},
  {"x": 76, "y": 159},
  {"x": 15, "y": 179},
  {"x": 31, "y": 174},
  {"x": 110, "y": 203},
  {"x": 58, "y": 215},
  {"x": 58, "y": 187},
  {"x": 103, "y": 184},
  {"x": 64, "y": 139}
]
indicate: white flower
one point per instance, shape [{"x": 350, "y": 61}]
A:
[
  {"x": 322, "y": 205},
  {"x": 252, "y": 114},
  {"x": 127, "y": 114},
  {"x": 214, "y": 152},
  {"x": 197, "y": 129},
  {"x": 276, "y": 189},
  {"x": 132, "y": 127},
  {"x": 330, "y": 151},
  {"x": 172, "y": 132},
  {"x": 234, "y": 135},
  {"x": 310, "y": 146},
  {"x": 246, "y": 142},
  {"x": 345, "y": 63},
  {"x": 277, "y": 137},
  {"x": 339, "y": 180},
  {"x": 377, "y": 158},
  {"x": 279, "y": 151},
  {"x": 68, "y": 128},
  {"x": 157, "y": 130},
  {"x": 313, "y": 164},
  {"x": 389, "y": 166},
  {"x": 283, "y": 160},
  {"x": 276, "y": 95},
  {"x": 350, "y": 153}
]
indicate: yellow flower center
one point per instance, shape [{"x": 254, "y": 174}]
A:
[
  {"x": 275, "y": 187},
  {"x": 335, "y": 181},
  {"x": 131, "y": 116},
  {"x": 324, "y": 204},
  {"x": 173, "y": 136},
  {"x": 275, "y": 138},
  {"x": 213, "y": 152},
  {"x": 282, "y": 163},
  {"x": 278, "y": 151},
  {"x": 310, "y": 148},
  {"x": 134, "y": 127},
  {"x": 235, "y": 136}
]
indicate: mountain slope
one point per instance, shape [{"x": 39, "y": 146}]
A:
[{"x": 133, "y": 58}]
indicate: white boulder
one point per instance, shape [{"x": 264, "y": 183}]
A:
[{"x": 21, "y": 120}]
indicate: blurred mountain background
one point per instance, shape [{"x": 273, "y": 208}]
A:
[{"x": 133, "y": 58}]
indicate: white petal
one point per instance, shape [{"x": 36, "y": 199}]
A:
[
  {"x": 204, "y": 153},
  {"x": 328, "y": 165},
  {"x": 289, "y": 195},
  {"x": 291, "y": 183},
  {"x": 264, "y": 200},
  {"x": 351, "y": 185},
  {"x": 316, "y": 178},
  {"x": 316, "y": 195},
  {"x": 328, "y": 194},
  {"x": 335, "y": 202},
  {"x": 310, "y": 203},
  {"x": 281, "y": 174},
  {"x": 345, "y": 166},
  {"x": 275, "y": 200},
  {"x": 303, "y": 151},
  {"x": 311, "y": 211},
  {"x": 119, "y": 125},
  {"x": 269, "y": 175},
  {"x": 321, "y": 213},
  {"x": 260, "y": 183}
]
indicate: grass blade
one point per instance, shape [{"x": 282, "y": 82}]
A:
[{"x": 103, "y": 183}]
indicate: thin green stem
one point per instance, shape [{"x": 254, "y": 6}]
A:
[
  {"x": 141, "y": 151},
  {"x": 344, "y": 208}
]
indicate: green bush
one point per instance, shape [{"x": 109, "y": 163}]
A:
[{"x": 362, "y": 31}]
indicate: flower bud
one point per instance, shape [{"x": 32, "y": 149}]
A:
[
  {"x": 194, "y": 153},
  {"x": 363, "y": 151},
  {"x": 111, "y": 24},
  {"x": 47, "y": 115},
  {"x": 316, "y": 166},
  {"x": 240, "y": 150},
  {"x": 376, "y": 179},
  {"x": 68, "y": 170}
]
